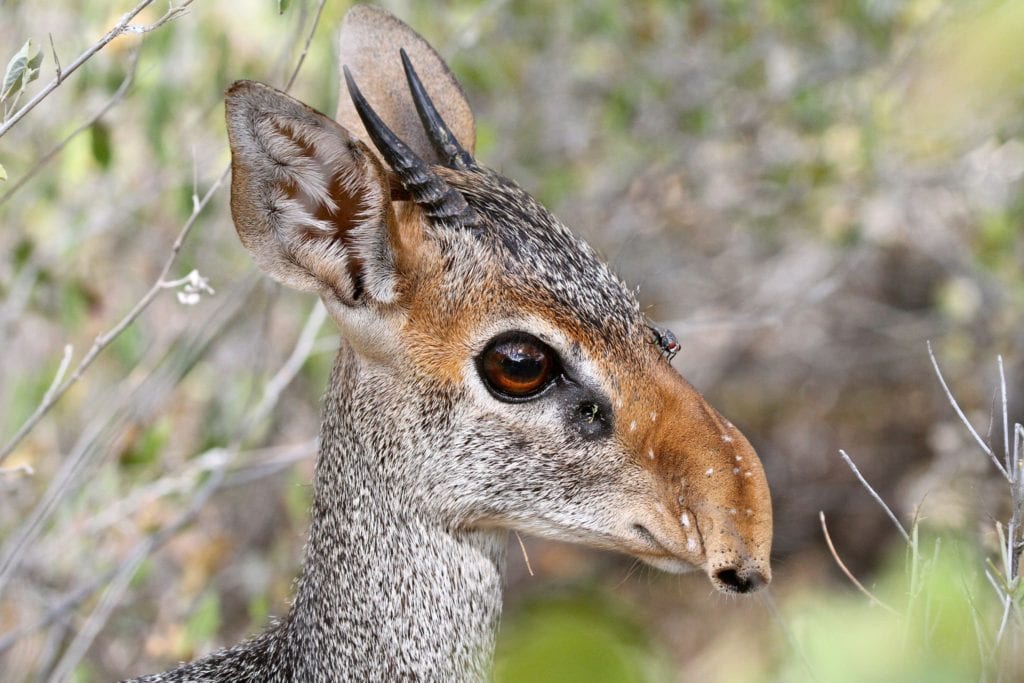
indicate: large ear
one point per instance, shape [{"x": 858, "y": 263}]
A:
[
  {"x": 310, "y": 202},
  {"x": 369, "y": 46}
]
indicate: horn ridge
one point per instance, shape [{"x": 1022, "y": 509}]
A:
[
  {"x": 441, "y": 137},
  {"x": 439, "y": 200}
]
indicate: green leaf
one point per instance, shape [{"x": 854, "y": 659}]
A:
[
  {"x": 3, "y": 172},
  {"x": 21, "y": 70},
  {"x": 100, "y": 143},
  {"x": 283, "y": 5}
]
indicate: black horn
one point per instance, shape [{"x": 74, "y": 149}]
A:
[
  {"x": 439, "y": 200},
  {"x": 441, "y": 137}
]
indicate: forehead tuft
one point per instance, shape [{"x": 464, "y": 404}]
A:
[{"x": 546, "y": 265}]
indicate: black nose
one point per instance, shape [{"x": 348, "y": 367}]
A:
[{"x": 732, "y": 580}]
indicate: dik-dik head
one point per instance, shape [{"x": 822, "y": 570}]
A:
[{"x": 532, "y": 393}]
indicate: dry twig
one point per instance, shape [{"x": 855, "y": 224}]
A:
[
  {"x": 104, "y": 340},
  {"x": 963, "y": 418},
  {"x": 847, "y": 572},
  {"x": 874, "y": 494}
]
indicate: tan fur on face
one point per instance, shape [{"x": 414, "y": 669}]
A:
[
  {"x": 706, "y": 498},
  {"x": 701, "y": 465}
]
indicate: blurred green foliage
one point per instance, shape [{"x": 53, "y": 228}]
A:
[
  {"x": 576, "y": 638},
  {"x": 942, "y": 633}
]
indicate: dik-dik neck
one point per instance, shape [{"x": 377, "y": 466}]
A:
[{"x": 387, "y": 593}]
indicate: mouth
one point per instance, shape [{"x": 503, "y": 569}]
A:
[
  {"x": 663, "y": 551},
  {"x": 676, "y": 557}
]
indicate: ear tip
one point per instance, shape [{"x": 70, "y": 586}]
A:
[
  {"x": 362, "y": 12},
  {"x": 243, "y": 88}
]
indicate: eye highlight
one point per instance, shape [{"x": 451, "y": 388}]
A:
[{"x": 517, "y": 367}]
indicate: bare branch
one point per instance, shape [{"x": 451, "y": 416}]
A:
[
  {"x": 283, "y": 377},
  {"x": 1006, "y": 420},
  {"x": 171, "y": 14},
  {"x": 146, "y": 389},
  {"x": 64, "y": 363},
  {"x": 305, "y": 48},
  {"x": 121, "y": 579},
  {"x": 963, "y": 418},
  {"x": 215, "y": 462},
  {"x": 103, "y": 341},
  {"x": 874, "y": 494}
]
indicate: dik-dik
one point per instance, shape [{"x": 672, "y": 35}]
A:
[{"x": 494, "y": 376}]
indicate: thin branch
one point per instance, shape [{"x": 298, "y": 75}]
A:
[
  {"x": 963, "y": 418},
  {"x": 218, "y": 464},
  {"x": 874, "y": 494},
  {"x": 117, "y": 30},
  {"x": 1005, "y": 599},
  {"x": 1006, "y": 420},
  {"x": 171, "y": 14},
  {"x": 214, "y": 460},
  {"x": 122, "y": 575},
  {"x": 133, "y": 63},
  {"x": 121, "y": 578},
  {"x": 61, "y": 371},
  {"x": 68, "y": 603},
  {"x": 145, "y": 390},
  {"x": 305, "y": 48},
  {"x": 283, "y": 377},
  {"x": 845, "y": 569},
  {"x": 104, "y": 340}
]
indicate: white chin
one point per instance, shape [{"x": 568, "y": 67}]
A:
[{"x": 670, "y": 564}]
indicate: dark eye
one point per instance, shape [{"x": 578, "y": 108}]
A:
[{"x": 517, "y": 367}]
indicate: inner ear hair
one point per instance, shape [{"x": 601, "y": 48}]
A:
[{"x": 310, "y": 202}]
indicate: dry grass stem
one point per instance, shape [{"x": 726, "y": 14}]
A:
[
  {"x": 853, "y": 579},
  {"x": 526, "y": 557}
]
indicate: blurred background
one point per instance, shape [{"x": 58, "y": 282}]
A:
[{"x": 805, "y": 192}]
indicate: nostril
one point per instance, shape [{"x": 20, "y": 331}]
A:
[{"x": 736, "y": 581}]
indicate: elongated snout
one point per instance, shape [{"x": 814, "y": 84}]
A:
[{"x": 711, "y": 507}]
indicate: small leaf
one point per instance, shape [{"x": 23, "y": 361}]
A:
[
  {"x": 283, "y": 5},
  {"x": 101, "y": 150},
  {"x": 3, "y": 172},
  {"x": 21, "y": 70}
]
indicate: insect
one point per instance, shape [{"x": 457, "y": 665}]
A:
[{"x": 666, "y": 340}]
